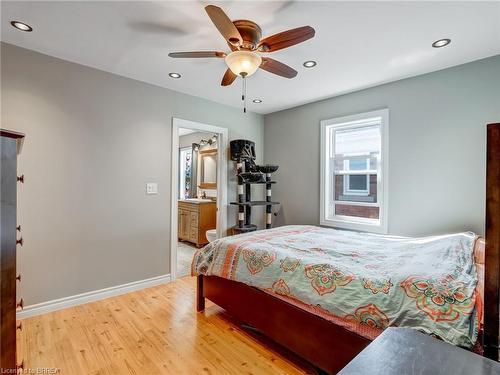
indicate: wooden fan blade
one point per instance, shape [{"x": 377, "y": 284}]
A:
[
  {"x": 286, "y": 39},
  {"x": 197, "y": 54},
  {"x": 224, "y": 25},
  {"x": 228, "y": 78},
  {"x": 276, "y": 67}
]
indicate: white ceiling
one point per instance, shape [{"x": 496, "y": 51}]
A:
[{"x": 357, "y": 44}]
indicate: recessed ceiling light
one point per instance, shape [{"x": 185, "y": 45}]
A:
[
  {"x": 310, "y": 64},
  {"x": 441, "y": 43},
  {"x": 257, "y": 101},
  {"x": 21, "y": 26},
  {"x": 174, "y": 75}
]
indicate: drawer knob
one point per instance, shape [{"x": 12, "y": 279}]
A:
[
  {"x": 20, "y": 365},
  {"x": 20, "y": 179},
  {"x": 18, "y": 228},
  {"x": 18, "y": 277},
  {"x": 19, "y": 326},
  {"x": 20, "y": 304},
  {"x": 19, "y": 241}
]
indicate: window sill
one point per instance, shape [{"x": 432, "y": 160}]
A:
[
  {"x": 366, "y": 225},
  {"x": 356, "y": 199}
]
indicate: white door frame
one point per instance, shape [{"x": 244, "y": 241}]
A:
[{"x": 222, "y": 144}]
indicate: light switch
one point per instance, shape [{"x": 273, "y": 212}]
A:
[{"x": 151, "y": 188}]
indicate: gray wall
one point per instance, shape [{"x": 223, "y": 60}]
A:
[
  {"x": 436, "y": 145},
  {"x": 93, "y": 140}
]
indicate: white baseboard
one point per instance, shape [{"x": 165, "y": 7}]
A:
[{"x": 62, "y": 303}]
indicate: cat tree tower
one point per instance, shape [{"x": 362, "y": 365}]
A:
[{"x": 248, "y": 173}]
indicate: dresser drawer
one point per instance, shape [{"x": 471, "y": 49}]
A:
[
  {"x": 194, "y": 219},
  {"x": 193, "y": 207},
  {"x": 193, "y": 235}
]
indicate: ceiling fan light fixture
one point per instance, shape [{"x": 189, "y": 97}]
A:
[{"x": 243, "y": 63}]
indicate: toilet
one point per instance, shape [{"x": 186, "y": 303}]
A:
[{"x": 211, "y": 235}]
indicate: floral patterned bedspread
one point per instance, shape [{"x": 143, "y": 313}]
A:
[{"x": 364, "y": 282}]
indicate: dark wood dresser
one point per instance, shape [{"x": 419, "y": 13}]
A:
[
  {"x": 405, "y": 351},
  {"x": 10, "y": 146}
]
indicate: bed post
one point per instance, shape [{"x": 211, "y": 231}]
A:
[
  {"x": 492, "y": 253},
  {"x": 200, "y": 296}
]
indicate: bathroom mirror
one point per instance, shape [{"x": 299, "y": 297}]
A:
[{"x": 208, "y": 169}]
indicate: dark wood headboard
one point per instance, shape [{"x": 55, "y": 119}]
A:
[{"x": 492, "y": 254}]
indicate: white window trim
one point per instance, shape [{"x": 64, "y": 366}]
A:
[{"x": 347, "y": 222}]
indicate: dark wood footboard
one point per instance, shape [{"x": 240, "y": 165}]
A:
[
  {"x": 322, "y": 343},
  {"x": 200, "y": 295}
]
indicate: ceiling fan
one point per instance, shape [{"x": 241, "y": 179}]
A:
[{"x": 244, "y": 38}]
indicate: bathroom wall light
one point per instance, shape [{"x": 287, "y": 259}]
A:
[{"x": 210, "y": 141}]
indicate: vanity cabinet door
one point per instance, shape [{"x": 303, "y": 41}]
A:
[{"x": 184, "y": 225}]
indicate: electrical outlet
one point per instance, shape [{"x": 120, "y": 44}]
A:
[{"x": 151, "y": 188}]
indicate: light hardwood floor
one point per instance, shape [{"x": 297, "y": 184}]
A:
[
  {"x": 152, "y": 331},
  {"x": 185, "y": 253}
]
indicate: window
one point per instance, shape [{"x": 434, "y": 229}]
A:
[{"x": 354, "y": 173}]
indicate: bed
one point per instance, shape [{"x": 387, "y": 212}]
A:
[
  {"x": 325, "y": 293},
  {"x": 359, "y": 283}
]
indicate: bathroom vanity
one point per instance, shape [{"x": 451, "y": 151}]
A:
[{"x": 196, "y": 216}]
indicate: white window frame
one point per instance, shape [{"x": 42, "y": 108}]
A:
[{"x": 327, "y": 190}]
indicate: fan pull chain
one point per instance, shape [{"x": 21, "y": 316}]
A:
[{"x": 244, "y": 95}]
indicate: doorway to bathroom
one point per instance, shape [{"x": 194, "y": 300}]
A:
[{"x": 199, "y": 190}]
